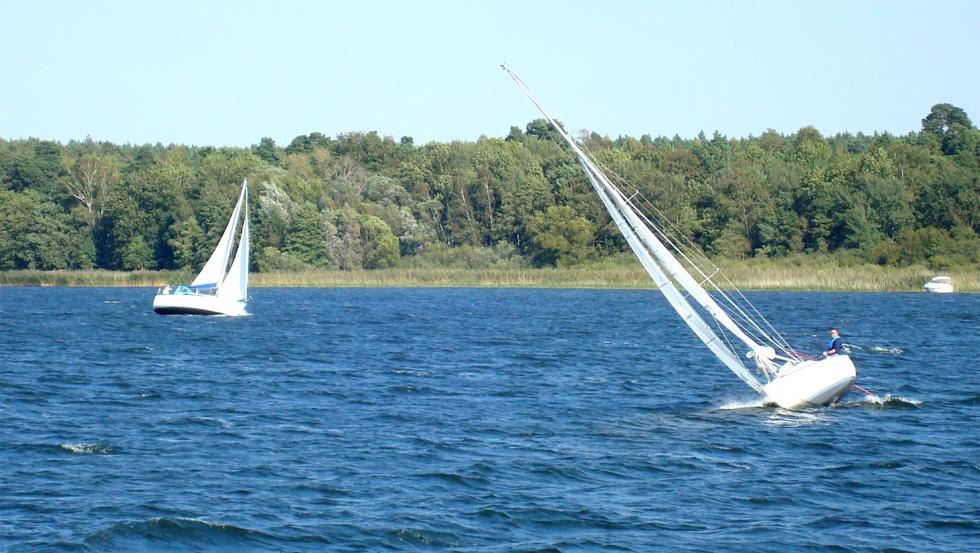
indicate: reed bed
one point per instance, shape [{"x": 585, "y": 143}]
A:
[
  {"x": 752, "y": 275},
  {"x": 92, "y": 278}
]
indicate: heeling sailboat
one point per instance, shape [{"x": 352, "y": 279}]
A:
[
  {"x": 788, "y": 378},
  {"x": 219, "y": 289}
]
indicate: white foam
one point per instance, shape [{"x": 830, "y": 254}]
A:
[
  {"x": 876, "y": 401},
  {"x": 883, "y": 349},
  {"x": 86, "y": 449},
  {"x": 875, "y": 349},
  {"x": 742, "y": 404}
]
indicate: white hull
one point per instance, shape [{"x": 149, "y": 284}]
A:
[
  {"x": 812, "y": 383},
  {"x": 939, "y": 285},
  {"x": 939, "y": 288},
  {"x": 197, "y": 304}
]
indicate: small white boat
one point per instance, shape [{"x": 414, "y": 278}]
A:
[
  {"x": 939, "y": 285},
  {"x": 785, "y": 376},
  {"x": 219, "y": 289}
]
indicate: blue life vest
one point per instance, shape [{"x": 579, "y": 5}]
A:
[{"x": 836, "y": 344}]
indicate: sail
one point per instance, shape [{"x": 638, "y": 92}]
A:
[
  {"x": 664, "y": 256},
  {"x": 670, "y": 292},
  {"x": 235, "y": 285},
  {"x": 658, "y": 261},
  {"x": 214, "y": 270}
]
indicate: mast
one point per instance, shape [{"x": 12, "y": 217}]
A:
[{"x": 646, "y": 246}]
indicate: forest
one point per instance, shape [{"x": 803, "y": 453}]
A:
[{"x": 363, "y": 201}]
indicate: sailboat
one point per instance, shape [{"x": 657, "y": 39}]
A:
[
  {"x": 782, "y": 375},
  {"x": 219, "y": 289}
]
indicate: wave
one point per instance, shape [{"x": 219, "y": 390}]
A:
[
  {"x": 876, "y": 349},
  {"x": 972, "y": 400},
  {"x": 878, "y": 402},
  {"x": 180, "y": 534},
  {"x": 88, "y": 449},
  {"x": 735, "y": 405}
]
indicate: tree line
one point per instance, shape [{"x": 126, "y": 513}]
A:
[{"x": 363, "y": 201}]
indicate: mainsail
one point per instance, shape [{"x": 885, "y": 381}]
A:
[
  {"x": 666, "y": 270},
  {"x": 214, "y": 271},
  {"x": 235, "y": 285}
]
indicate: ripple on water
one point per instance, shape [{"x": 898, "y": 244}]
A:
[{"x": 475, "y": 420}]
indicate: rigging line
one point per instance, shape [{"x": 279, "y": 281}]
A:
[
  {"x": 751, "y": 325},
  {"x": 643, "y": 217},
  {"x": 778, "y": 340},
  {"x": 724, "y": 333},
  {"x": 679, "y": 236},
  {"x": 739, "y": 313}
]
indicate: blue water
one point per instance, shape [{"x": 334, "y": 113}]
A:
[{"x": 475, "y": 420}]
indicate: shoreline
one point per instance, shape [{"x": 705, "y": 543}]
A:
[{"x": 767, "y": 277}]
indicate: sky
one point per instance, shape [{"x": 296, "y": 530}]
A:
[{"x": 228, "y": 73}]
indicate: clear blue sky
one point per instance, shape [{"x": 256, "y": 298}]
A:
[{"x": 231, "y": 72}]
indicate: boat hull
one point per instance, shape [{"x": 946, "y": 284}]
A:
[
  {"x": 938, "y": 288},
  {"x": 812, "y": 383},
  {"x": 196, "y": 304}
]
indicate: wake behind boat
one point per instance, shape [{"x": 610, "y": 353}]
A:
[
  {"x": 219, "y": 289},
  {"x": 788, "y": 378}
]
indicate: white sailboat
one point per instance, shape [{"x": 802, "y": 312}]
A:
[
  {"x": 219, "y": 289},
  {"x": 783, "y": 376}
]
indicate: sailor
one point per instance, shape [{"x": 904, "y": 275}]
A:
[{"x": 835, "y": 345}]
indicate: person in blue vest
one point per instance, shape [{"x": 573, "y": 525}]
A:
[{"x": 835, "y": 345}]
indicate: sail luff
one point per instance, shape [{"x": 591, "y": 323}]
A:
[
  {"x": 671, "y": 293},
  {"x": 674, "y": 267},
  {"x": 214, "y": 270},
  {"x": 758, "y": 328},
  {"x": 235, "y": 284},
  {"x": 671, "y": 265},
  {"x": 644, "y": 244}
]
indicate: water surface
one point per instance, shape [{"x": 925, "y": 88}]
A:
[{"x": 475, "y": 420}]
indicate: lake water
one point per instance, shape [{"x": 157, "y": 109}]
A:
[{"x": 475, "y": 420}]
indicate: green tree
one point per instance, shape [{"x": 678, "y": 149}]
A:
[
  {"x": 304, "y": 239},
  {"x": 952, "y": 126},
  {"x": 266, "y": 151},
  {"x": 37, "y": 234},
  {"x": 186, "y": 238},
  {"x": 137, "y": 254},
  {"x": 559, "y": 237},
  {"x": 380, "y": 245}
]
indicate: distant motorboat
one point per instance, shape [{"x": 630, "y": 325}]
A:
[
  {"x": 939, "y": 285},
  {"x": 789, "y": 378},
  {"x": 219, "y": 289}
]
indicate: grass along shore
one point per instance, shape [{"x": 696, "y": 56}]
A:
[{"x": 746, "y": 275}]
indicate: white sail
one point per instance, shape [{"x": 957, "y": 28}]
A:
[
  {"x": 658, "y": 261},
  {"x": 670, "y": 292},
  {"x": 214, "y": 270},
  {"x": 235, "y": 285}
]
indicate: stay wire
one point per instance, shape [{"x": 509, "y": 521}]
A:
[{"x": 754, "y": 325}]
